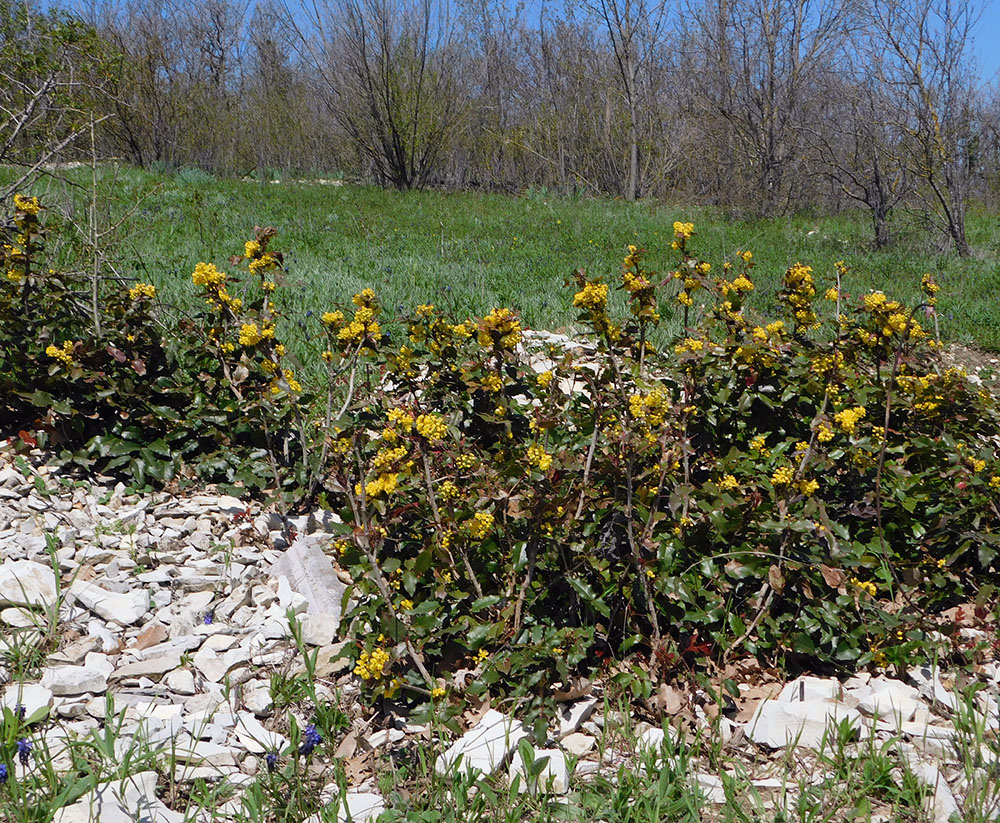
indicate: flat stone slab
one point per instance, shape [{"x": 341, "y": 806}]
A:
[
  {"x": 310, "y": 573},
  {"x": 123, "y": 609},
  {"x": 27, "y": 584},
  {"x": 485, "y": 747},
  {"x": 120, "y": 801},
  {"x": 777, "y": 724}
]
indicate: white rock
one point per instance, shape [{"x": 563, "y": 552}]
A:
[
  {"x": 27, "y": 583},
  {"x": 109, "y": 641},
  {"x": 34, "y": 697},
  {"x": 319, "y": 629},
  {"x": 575, "y": 715},
  {"x": 711, "y": 786},
  {"x": 204, "y": 753},
  {"x": 485, "y": 747},
  {"x": 148, "y": 667},
  {"x": 118, "y": 801},
  {"x": 552, "y": 779},
  {"x": 385, "y": 737},
  {"x": 354, "y": 807},
  {"x": 777, "y": 724},
  {"x": 123, "y": 609},
  {"x": 98, "y": 663},
  {"x": 928, "y": 681},
  {"x": 941, "y": 802},
  {"x": 810, "y": 688},
  {"x": 578, "y": 743},
  {"x": 890, "y": 699},
  {"x": 259, "y": 701},
  {"x": 310, "y": 573},
  {"x": 67, "y": 681},
  {"x": 255, "y": 738},
  {"x": 180, "y": 681}
]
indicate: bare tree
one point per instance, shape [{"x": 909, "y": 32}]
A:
[
  {"x": 759, "y": 63},
  {"x": 388, "y": 67},
  {"x": 921, "y": 53}
]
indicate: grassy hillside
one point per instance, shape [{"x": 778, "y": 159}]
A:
[{"x": 472, "y": 252}]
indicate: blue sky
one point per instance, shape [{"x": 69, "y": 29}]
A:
[{"x": 987, "y": 47}]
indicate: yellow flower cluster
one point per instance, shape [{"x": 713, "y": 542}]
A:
[
  {"x": 728, "y": 483},
  {"x": 593, "y": 296},
  {"x": 293, "y": 384},
  {"x": 332, "y": 318},
  {"x": 492, "y": 383},
  {"x": 538, "y": 457},
  {"x": 824, "y": 432},
  {"x": 207, "y": 275},
  {"x": 142, "y": 290},
  {"x": 448, "y": 491},
  {"x": 501, "y": 329},
  {"x": 64, "y": 355},
  {"x": 848, "y": 419},
  {"x": 832, "y": 295},
  {"x": 371, "y": 665},
  {"x": 809, "y": 487},
  {"x": 683, "y": 231},
  {"x": 544, "y": 379},
  {"x": 798, "y": 292},
  {"x": 465, "y": 461},
  {"x": 977, "y": 464},
  {"x": 249, "y": 334},
  {"x": 782, "y": 476},
  {"x": 995, "y": 482},
  {"x": 650, "y": 408},
  {"x": 432, "y": 427},
  {"x": 438, "y": 691},
  {"x": 28, "y": 205},
  {"x": 386, "y": 457},
  {"x": 689, "y": 344},
  {"x": 480, "y": 525},
  {"x": 742, "y": 284},
  {"x": 929, "y": 288},
  {"x": 384, "y": 484},
  {"x": 866, "y": 586},
  {"x": 757, "y": 445}
]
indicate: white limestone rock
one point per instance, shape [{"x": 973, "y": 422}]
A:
[
  {"x": 27, "y": 584},
  {"x": 553, "y": 778},
  {"x": 121, "y": 608},
  {"x": 70, "y": 681},
  {"x": 777, "y": 724},
  {"x": 485, "y": 747}
]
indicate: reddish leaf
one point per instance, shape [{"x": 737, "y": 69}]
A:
[
  {"x": 834, "y": 577},
  {"x": 139, "y": 366},
  {"x": 27, "y": 438}
]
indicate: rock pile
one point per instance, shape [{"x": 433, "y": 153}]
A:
[{"x": 177, "y": 608}]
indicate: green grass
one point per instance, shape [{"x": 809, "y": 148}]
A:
[{"x": 472, "y": 252}]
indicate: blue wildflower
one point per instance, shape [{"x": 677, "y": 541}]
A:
[
  {"x": 209, "y": 617},
  {"x": 3, "y": 773},
  {"x": 23, "y": 751},
  {"x": 272, "y": 761},
  {"x": 310, "y": 740},
  {"x": 19, "y": 711}
]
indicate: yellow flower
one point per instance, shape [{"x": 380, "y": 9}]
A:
[
  {"x": 728, "y": 483},
  {"x": 809, "y": 487},
  {"x": 782, "y": 476},
  {"x": 481, "y": 655},
  {"x": 593, "y": 296},
  {"x": 406, "y": 604},
  {"x": 251, "y": 249},
  {"x": 824, "y": 432},
  {"x": 544, "y": 379},
  {"x": 142, "y": 290},
  {"x": 29, "y": 205},
  {"x": 848, "y": 419},
  {"x": 438, "y": 691},
  {"x": 432, "y": 427},
  {"x": 537, "y": 456},
  {"x": 332, "y": 318},
  {"x": 448, "y": 491},
  {"x": 64, "y": 355},
  {"x": 683, "y": 231},
  {"x": 206, "y": 274},
  {"x": 757, "y": 444},
  {"x": 831, "y": 294},
  {"x": 480, "y": 525},
  {"x": 249, "y": 334}
]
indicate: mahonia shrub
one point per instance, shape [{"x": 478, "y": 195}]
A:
[
  {"x": 518, "y": 509},
  {"x": 811, "y": 492}
]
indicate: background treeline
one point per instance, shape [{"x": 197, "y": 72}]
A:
[{"x": 762, "y": 106}]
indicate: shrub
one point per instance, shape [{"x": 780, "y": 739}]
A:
[{"x": 811, "y": 490}]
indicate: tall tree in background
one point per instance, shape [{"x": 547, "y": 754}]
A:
[
  {"x": 759, "y": 63},
  {"x": 390, "y": 69},
  {"x": 921, "y": 53}
]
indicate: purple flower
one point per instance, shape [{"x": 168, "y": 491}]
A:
[
  {"x": 19, "y": 711},
  {"x": 3, "y": 773},
  {"x": 209, "y": 617},
  {"x": 310, "y": 740},
  {"x": 23, "y": 751},
  {"x": 272, "y": 761}
]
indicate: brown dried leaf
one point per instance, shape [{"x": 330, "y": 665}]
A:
[
  {"x": 668, "y": 699},
  {"x": 574, "y": 690},
  {"x": 776, "y": 579},
  {"x": 348, "y": 746},
  {"x": 835, "y": 578}
]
